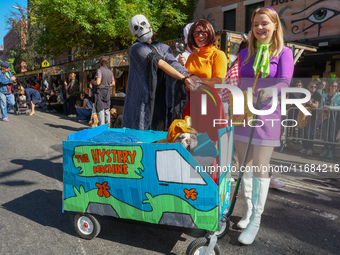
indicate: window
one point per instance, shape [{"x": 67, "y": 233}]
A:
[
  {"x": 229, "y": 22},
  {"x": 172, "y": 167},
  {"x": 249, "y": 11}
]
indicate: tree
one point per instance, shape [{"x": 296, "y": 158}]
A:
[
  {"x": 98, "y": 26},
  {"x": 28, "y": 31}
]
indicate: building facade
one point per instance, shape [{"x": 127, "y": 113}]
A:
[
  {"x": 13, "y": 39},
  {"x": 314, "y": 22}
]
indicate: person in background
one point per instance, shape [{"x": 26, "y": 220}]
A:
[
  {"x": 57, "y": 106},
  {"x": 6, "y": 97},
  {"x": 45, "y": 83},
  {"x": 54, "y": 85},
  {"x": 119, "y": 92},
  {"x": 52, "y": 100},
  {"x": 72, "y": 92},
  {"x": 116, "y": 118},
  {"x": 60, "y": 88},
  {"x": 11, "y": 87},
  {"x": 36, "y": 85},
  {"x": 103, "y": 82},
  {"x": 331, "y": 125},
  {"x": 84, "y": 111},
  {"x": 293, "y": 113},
  {"x": 308, "y": 132},
  {"x": 265, "y": 57},
  {"x": 32, "y": 97},
  {"x": 322, "y": 87},
  {"x": 182, "y": 58}
]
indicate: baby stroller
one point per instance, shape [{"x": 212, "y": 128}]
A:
[{"x": 20, "y": 106}]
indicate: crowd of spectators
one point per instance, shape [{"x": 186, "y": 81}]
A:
[
  {"x": 324, "y": 122},
  {"x": 65, "y": 97}
]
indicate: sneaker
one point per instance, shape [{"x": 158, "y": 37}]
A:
[
  {"x": 309, "y": 152},
  {"x": 72, "y": 115},
  {"x": 82, "y": 120},
  {"x": 330, "y": 155},
  {"x": 48, "y": 111},
  {"x": 5, "y": 119},
  {"x": 324, "y": 154},
  {"x": 54, "y": 110},
  {"x": 276, "y": 184},
  {"x": 303, "y": 151}
]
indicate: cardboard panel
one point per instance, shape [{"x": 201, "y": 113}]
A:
[{"x": 159, "y": 183}]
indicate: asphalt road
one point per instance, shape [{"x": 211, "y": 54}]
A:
[{"x": 302, "y": 218}]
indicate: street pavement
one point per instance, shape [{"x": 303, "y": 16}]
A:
[{"x": 302, "y": 218}]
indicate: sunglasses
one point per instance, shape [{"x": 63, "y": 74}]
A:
[
  {"x": 197, "y": 33},
  {"x": 313, "y": 87}
]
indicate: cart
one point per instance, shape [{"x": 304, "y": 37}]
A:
[{"x": 126, "y": 173}]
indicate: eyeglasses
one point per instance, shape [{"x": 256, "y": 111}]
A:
[
  {"x": 313, "y": 87},
  {"x": 197, "y": 33},
  {"x": 334, "y": 86}
]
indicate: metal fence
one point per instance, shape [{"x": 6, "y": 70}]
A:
[{"x": 323, "y": 127}]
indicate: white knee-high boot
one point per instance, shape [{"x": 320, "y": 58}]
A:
[
  {"x": 247, "y": 188},
  {"x": 260, "y": 192}
]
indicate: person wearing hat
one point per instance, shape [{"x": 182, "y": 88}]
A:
[
  {"x": 6, "y": 92},
  {"x": 182, "y": 58}
]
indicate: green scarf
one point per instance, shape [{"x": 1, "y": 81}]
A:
[{"x": 263, "y": 66}]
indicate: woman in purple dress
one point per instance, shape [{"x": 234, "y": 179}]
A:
[{"x": 266, "y": 55}]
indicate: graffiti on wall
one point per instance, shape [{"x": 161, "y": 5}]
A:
[{"x": 308, "y": 19}]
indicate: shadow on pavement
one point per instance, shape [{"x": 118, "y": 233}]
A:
[
  {"x": 42, "y": 207},
  {"x": 43, "y": 166},
  {"x": 74, "y": 129},
  {"x": 152, "y": 237}
]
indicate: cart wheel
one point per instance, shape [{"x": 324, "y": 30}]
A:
[
  {"x": 224, "y": 228},
  {"x": 199, "y": 246},
  {"x": 86, "y": 226}
]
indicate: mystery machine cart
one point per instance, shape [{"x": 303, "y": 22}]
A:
[
  {"x": 124, "y": 173},
  {"x": 128, "y": 174}
]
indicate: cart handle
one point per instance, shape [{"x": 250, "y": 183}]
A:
[{"x": 240, "y": 175}]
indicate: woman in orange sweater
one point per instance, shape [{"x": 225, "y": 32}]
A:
[{"x": 206, "y": 62}]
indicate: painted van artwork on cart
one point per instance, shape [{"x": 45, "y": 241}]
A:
[{"x": 123, "y": 173}]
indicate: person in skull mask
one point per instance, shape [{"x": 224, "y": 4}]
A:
[{"x": 155, "y": 93}]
